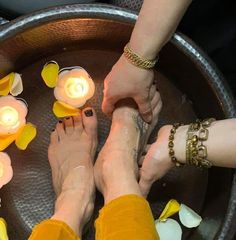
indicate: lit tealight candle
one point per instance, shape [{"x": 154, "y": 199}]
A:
[
  {"x": 6, "y": 172},
  {"x": 74, "y": 87},
  {"x": 12, "y": 115},
  {"x": 9, "y": 117}
]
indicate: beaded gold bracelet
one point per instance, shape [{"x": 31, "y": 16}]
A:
[
  {"x": 196, "y": 151},
  {"x": 137, "y": 60},
  {"x": 171, "y": 145}
]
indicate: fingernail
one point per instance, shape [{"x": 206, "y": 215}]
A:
[
  {"x": 67, "y": 118},
  {"x": 88, "y": 113},
  {"x": 60, "y": 121},
  {"x": 53, "y": 130}
]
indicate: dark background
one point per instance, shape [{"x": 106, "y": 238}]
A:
[{"x": 212, "y": 25}]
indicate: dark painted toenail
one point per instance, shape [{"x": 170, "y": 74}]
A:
[
  {"x": 67, "y": 118},
  {"x": 88, "y": 113},
  {"x": 60, "y": 121}
]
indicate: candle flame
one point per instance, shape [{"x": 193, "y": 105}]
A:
[
  {"x": 9, "y": 117},
  {"x": 76, "y": 87}
]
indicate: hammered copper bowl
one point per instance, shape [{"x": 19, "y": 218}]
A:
[{"x": 93, "y": 36}]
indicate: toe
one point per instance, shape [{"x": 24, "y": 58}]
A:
[
  {"x": 69, "y": 125},
  {"x": 54, "y": 136},
  {"x": 78, "y": 125},
  {"x": 60, "y": 129},
  {"x": 90, "y": 121}
]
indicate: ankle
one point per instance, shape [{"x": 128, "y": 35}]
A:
[
  {"x": 117, "y": 178},
  {"x": 68, "y": 212},
  {"x": 114, "y": 194}
]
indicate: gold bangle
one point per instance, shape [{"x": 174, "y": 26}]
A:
[
  {"x": 171, "y": 145},
  {"x": 196, "y": 151},
  {"x": 137, "y": 60}
]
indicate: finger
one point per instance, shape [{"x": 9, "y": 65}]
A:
[
  {"x": 145, "y": 108},
  {"x": 108, "y": 105},
  {"x": 155, "y": 100},
  {"x": 145, "y": 185},
  {"x": 152, "y": 92},
  {"x": 157, "y": 108}
]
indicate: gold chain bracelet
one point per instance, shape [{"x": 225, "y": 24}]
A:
[
  {"x": 171, "y": 145},
  {"x": 196, "y": 151},
  {"x": 137, "y": 60}
]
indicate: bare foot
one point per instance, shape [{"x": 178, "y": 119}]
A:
[
  {"x": 71, "y": 156},
  {"x": 116, "y": 169}
]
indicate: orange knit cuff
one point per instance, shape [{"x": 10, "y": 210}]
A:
[
  {"x": 127, "y": 217},
  {"x": 52, "y": 229}
]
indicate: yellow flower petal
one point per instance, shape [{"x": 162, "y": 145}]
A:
[
  {"x": 63, "y": 110},
  {"x": 3, "y": 229},
  {"x": 6, "y": 83},
  {"x": 172, "y": 207},
  {"x": 27, "y": 134},
  {"x": 5, "y": 141},
  {"x": 50, "y": 74}
]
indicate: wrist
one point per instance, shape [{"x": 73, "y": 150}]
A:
[
  {"x": 146, "y": 51},
  {"x": 131, "y": 67},
  {"x": 180, "y": 143}
]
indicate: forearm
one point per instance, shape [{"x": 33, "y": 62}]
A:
[
  {"x": 156, "y": 23},
  {"x": 221, "y": 143}
]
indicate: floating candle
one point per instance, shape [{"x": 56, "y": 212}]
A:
[
  {"x": 74, "y": 87},
  {"x": 12, "y": 115},
  {"x": 6, "y": 172},
  {"x": 9, "y": 117}
]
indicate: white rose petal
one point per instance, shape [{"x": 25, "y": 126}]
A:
[
  {"x": 169, "y": 229},
  {"x": 17, "y": 85},
  {"x": 188, "y": 217}
]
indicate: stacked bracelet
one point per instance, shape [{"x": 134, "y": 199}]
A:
[
  {"x": 137, "y": 60},
  {"x": 171, "y": 145},
  {"x": 196, "y": 151}
]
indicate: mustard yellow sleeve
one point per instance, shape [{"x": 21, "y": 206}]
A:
[
  {"x": 53, "y": 230},
  {"x": 128, "y": 218}
]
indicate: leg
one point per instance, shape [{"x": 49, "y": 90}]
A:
[
  {"x": 126, "y": 214},
  {"x": 71, "y": 156}
]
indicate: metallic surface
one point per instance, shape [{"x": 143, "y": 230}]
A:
[{"x": 93, "y": 36}]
